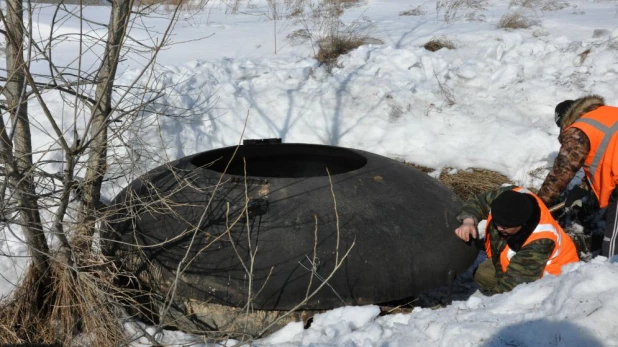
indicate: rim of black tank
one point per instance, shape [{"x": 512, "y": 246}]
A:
[{"x": 285, "y": 160}]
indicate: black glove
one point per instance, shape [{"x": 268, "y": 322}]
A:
[{"x": 575, "y": 196}]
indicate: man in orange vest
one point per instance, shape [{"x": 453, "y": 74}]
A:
[
  {"x": 522, "y": 240},
  {"x": 589, "y": 140}
]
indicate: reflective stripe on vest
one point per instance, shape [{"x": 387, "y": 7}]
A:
[
  {"x": 607, "y": 136},
  {"x": 600, "y": 166},
  {"x": 543, "y": 228}
]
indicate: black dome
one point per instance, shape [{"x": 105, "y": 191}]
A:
[{"x": 192, "y": 212}]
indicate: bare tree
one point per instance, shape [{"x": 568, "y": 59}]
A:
[
  {"x": 67, "y": 280},
  {"x": 101, "y": 116},
  {"x": 17, "y": 147}
]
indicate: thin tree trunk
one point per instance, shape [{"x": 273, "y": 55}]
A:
[
  {"x": 97, "y": 159},
  {"x": 17, "y": 155}
]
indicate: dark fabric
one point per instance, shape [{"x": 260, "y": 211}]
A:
[
  {"x": 610, "y": 237},
  {"x": 577, "y": 193},
  {"x": 516, "y": 241},
  {"x": 561, "y": 110},
  {"x": 511, "y": 209}
]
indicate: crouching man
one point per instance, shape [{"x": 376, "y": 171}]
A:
[{"x": 522, "y": 240}]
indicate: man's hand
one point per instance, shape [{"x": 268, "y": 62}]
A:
[{"x": 467, "y": 230}]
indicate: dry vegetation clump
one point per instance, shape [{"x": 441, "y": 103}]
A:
[
  {"x": 583, "y": 55},
  {"x": 451, "y": 9},
  {"x": 467, "y": 183},
  {"x": 330, "y": 48},
  {"x": 72, "y": 307},
  {"x": 514, "y": 20},
  {"x": 543, "y": 5},
  {"x": 295, "y": 13},
  {"x": 328, "y": 35},
  {"x": 554, "y": 5},
  {"x": 437, "y": 43},
  {"x": 345, "y": 3},
  {"x": 417, "y": 11},
  {"x": 526, "y": 3},
  {"x": 299, "y": 36}
]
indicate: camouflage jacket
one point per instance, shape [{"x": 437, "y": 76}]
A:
[
  {"x": 573, "y": 150},
  {"x": 528, "y": 264}
]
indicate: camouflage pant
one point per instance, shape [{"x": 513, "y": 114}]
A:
[{"x": 485, "y": 275}]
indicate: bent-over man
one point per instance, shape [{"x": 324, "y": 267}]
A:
[{"x": 589, "y": 140}]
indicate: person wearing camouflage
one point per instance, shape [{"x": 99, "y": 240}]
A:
[
  {"x": 522, "y": 240},
  {"x": 589, "y": 140}
]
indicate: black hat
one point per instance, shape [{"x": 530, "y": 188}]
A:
[
  {"x": 561, "y": 110},
  {"x": 511, "y": 209}
]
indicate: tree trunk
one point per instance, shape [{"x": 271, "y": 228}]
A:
[
  {"x": 17, "y": 155},
  {"x": 101, "y": 111}
]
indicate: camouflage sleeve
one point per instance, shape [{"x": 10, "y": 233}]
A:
[
  {"x": 525, "y": 266},
  {"x": 478, "y": 206},
  {"x": 573, "y": 153}
]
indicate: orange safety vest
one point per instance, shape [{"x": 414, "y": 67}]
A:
[
  {"x": 564, "y": 248},
  {"x": 601, "y": 164}
]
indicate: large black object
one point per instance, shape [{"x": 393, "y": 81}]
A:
[{"x": 260, "y": 220}]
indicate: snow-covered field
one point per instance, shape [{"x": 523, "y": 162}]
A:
[{"x": 488, "y": 103}]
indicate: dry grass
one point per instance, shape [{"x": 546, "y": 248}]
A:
[
  {"x": 583, "y": 55},
  {"x": 64, "y": 307},
  {"x": 299, "y": 36},
  {"x": 417, "y": 11},
  {"x": 437, "y": 43},
  {"x": 345, "y": 3},
  {"x": 526, "y": 3},
  {"x": 543, "y": 5},
  {"x": 514, "y": 20},
  {"x": 554, "y": 5},
  {"x": 447, "y": 93},
  {"x": 452, "y": 9},
  {"x": 330, "y": 48},
  {"x": 295, "y": 13},
  {"x": 466, "y": 184}
]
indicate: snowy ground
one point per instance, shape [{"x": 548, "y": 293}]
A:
[{"x": 488, "y": 103}]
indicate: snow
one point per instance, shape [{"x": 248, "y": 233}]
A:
[{"x": 488, "y": 104}]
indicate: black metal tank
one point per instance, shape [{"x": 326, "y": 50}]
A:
[{"x": 260, "y": 221}]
